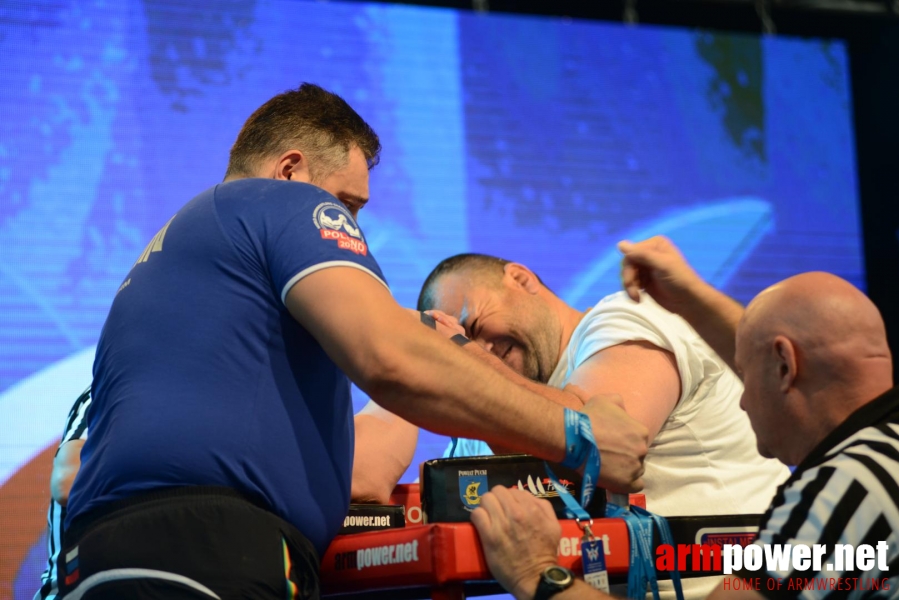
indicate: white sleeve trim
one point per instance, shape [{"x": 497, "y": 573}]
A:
[{"x": 326, "y": 265}]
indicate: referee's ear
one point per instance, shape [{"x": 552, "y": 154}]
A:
[{"x": 787, "y": 365}]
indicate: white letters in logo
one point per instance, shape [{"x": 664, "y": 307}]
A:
[{"x": 333, "y": 216}]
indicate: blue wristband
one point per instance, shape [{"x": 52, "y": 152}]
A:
[
  {"x": 576, "y": 447},
  {"x": 580, "y": 449}
]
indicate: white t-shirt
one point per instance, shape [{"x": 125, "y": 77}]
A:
[{"x": 704, "y": 460}]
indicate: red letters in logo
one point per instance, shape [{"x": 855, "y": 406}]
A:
[{"x": 345, "y": 242}]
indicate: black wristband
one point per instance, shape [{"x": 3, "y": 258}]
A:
[
  {"x": 460, "y": 339},
  {"x": 428, "y": 320}
]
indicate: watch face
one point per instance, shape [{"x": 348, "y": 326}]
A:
[{"x": 557, "y": 575}]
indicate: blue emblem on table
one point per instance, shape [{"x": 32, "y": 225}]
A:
[{"x": 472, "y": 484}]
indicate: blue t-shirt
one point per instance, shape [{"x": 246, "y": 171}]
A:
[{"x": 202, "y": 377}]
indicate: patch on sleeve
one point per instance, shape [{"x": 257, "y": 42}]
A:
[{"x": 335, "y": 222}]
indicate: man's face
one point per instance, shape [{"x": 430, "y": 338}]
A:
[
  {"x": 762, "y": 399},
  {"x": 349, "y": 184},
  {"x": 514, "y": 325}
]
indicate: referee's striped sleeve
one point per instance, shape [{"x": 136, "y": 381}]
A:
[
  {"x": 76, "y": 423},
  {"x": 75, "y": 428},
  {"x": 852, "y": 498}
]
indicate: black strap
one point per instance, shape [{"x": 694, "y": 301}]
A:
[
  {"x": 428, "y": 320},
  {"x": 460, "y": 339}
]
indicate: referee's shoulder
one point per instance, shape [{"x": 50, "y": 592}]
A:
[{"x": 871, "y": 457}]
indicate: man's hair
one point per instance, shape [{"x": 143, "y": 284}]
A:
[
  {"x": 310, "y": 119},
  {"x": 481, "y": 264}
]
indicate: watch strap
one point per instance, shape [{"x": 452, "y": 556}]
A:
[{"x": 548, "y": 587}]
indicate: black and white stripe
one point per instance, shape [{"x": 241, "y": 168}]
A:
[
  {"x": 850, "y": 496},
  {"x": 75, "y": 429}
]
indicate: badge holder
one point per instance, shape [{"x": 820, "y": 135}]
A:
[
  {"x": 581, "y": 450},
  {"x": 593, "y": 556}
]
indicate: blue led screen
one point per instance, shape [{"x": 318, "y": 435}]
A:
[{"x": 540, "y": 140}]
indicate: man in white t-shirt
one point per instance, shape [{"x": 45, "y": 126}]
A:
[{"x": 702, "y": 459}]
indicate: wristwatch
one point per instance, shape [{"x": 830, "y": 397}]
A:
[{"x": 552, "y": 581}]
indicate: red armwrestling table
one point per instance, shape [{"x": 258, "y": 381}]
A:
[{"x": 442, "y": 561}]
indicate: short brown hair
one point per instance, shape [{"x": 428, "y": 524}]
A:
[{"x": 310, "y": 119}]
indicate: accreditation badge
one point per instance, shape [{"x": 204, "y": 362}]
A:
[{"x": 593, "y": 556}]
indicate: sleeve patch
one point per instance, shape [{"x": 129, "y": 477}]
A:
[{"x": 334, "y": 222}]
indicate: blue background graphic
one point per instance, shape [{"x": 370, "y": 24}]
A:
[{"x": 540, "y": 140}]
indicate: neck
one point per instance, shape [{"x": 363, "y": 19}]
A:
[
  {"x": 832, "y": 405},
  {"x": 569, "y": 319}
]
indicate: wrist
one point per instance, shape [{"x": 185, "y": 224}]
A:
[{"x": 526, "y": 587}]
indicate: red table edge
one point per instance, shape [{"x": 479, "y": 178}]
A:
[{"x": 439, "y": 554}]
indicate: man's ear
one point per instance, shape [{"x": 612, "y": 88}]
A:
[
  {"x": 292, "y": 166},
  {"x": 521, "y": 277},
  {"x": 787, "y": 363}
]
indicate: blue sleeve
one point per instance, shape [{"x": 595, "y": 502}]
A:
[{"x": 298, "y": 229}]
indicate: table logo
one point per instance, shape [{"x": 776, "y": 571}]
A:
[{"x": 471, "y": 485}]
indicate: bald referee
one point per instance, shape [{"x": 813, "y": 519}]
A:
[{"x": 220, "y": 454}]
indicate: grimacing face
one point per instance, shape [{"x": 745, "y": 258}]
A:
[{"x": 517, "y": 327}]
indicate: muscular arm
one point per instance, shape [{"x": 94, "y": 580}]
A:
[
  {"x": 385, "y": 444},
  {"x": 65, "y": 467},
  {"x": 644, "y": 375},
  {"x": 563, "y": 397},
  {"x": 414, "y": 372}
]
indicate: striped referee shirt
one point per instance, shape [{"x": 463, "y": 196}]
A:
[
  {"x": 845, "y": 492},
  {"x": 76, "y": 429}
]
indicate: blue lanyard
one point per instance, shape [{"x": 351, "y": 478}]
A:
[
  {"x": 580, "y": 449},
  {"x": 666, "y": 538},
  {"x": 642, "y": 570}
]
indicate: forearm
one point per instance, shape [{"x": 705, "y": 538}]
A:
[
  {"x": 558, "y": 396},
  {"x": 445, "y": 389},
  {"x": 66, "y": 464},
  {"x": 552, "y": 394},
  {"x": 385, "y": 445},
  {"x": 416, "y": 373},
  {"x": 61, "y": 484},
  {"x": 714, "y": 316}
]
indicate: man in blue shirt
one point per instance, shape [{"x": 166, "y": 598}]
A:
[{"x": 220, "y": 454}]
